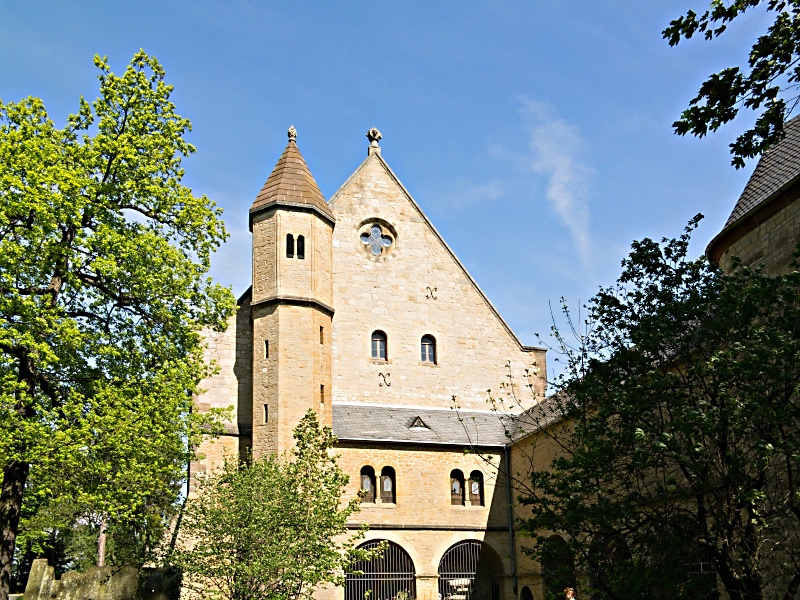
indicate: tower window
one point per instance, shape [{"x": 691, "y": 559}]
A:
[
  {"x": 266, "y": 413},
  {"x": 322, "y": 395},
  {"x": 456, "y": 487},
  {"x": 368, "y": 484},
  {"x": 266, "y": 348},
  {"x": 301, "y": 247},
  {"x": 387, "y": 485},
  {"x": 321, "y": 334},
  {"x": 378, "y": 345},
  {"x": 428, "y": 349},
  {"x": 289, "y": 245}
]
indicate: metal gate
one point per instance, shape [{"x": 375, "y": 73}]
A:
[
  {"x": 470, "y": 570},
  {"x": 390, "y": 576}
]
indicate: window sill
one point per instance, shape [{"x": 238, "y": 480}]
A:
[
  {"x": 423, "y": 363},
  {"x": 378, "y": 361},
  {"x": 387, "y": 505}
]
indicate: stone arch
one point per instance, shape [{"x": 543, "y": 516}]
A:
[
  {"x": 386, "y": 576},
  {"x": 470, "y": 570}
]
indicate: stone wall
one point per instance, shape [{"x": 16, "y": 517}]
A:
[
  {"x": 769, "y": 237},
  {"x": 101, "y": 583},
  {"x": 415, "y": 287}
]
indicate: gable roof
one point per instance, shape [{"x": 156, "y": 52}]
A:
[
  {"x": 361, "y": 422},
  {"x": 779, "y": 166},
  {"x": 291, "y": 184},
  {"x": 777, "y": 170},
  {"x": 376, "y": 156}
]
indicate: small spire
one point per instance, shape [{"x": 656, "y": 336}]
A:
[
  {"x": 293, "y": 133},
  {"x": 374, "y": 136}
]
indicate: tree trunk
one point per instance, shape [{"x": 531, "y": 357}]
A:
[
  {"x": 14, "y": 478},
  {"x": 101, "y": 544}
]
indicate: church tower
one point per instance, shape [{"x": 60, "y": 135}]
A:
[{"x": 291, "y": 310}]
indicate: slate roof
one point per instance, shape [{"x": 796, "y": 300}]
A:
[
  {"x": 443, "y": 426},
  {"x": 381, "y": 423},
  {"x": 292, "y": 184},
  {"x": 777, "y": 168}
]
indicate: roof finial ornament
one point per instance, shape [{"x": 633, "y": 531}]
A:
[
  {"x": 374, "y": 136},
  {"x": 292, "y": 133}
]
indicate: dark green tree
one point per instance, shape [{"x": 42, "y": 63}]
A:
[
  {"x": 680, "y": 431},
  {"x": 104, "y": 256},
  {"x": 274, "y": 529},
  {"x": 768, "y": 85}
]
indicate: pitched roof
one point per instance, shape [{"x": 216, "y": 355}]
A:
[
  {"x": 777, "y": 168},
  {"x": 441, "y": 426},
  {"x": 291, "y": 184}
]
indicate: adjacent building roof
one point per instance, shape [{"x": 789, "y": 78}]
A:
[
  {"x": 419, "y": 425},
  {"x": 777, "y": 168},
  {"x": 291, "y": 184}
]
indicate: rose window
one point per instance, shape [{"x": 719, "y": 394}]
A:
[{"x": 376, "y": 240}]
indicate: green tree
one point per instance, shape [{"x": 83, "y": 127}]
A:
[
  {"x": 680, "y": 429},
  {"x": 274, "y": 529},
  {"x": 104, "y": 257},
  {"x": 768, "y": 86}
]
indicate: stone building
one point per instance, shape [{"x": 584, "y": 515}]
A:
[
  {"x": 359, "y": 310},
  {"x": 764, "y": 227}
]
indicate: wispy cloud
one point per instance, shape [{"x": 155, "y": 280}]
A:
[
  {"x": 555, "y": 146},
  {"x": 467, "y": 193}
]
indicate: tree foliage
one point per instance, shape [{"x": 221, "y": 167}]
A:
[
  {"x": 681, "y": 434},
  {"x": 273, "y": 529},
  {"x": 104, "y": 256},
  {"x": 768, "y": 87}
]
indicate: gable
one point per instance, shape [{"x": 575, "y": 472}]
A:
[{"x": 393, "y": 272}]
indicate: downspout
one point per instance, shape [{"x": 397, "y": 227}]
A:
[{"x": 511, "y": 521}]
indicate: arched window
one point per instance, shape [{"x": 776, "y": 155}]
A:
[
  {"x": 289, "y": 245},
  {"x": 368, "y": 484},
  {"x": 378, "y": 345},
  {"x": 390, "y": 575},
  {"x": 387, "y": 485},
  {"x": 301, "y": 247},
  {"x": 476, "y": 488},
  {"x": 456, "y": 487},
  {"x": 428, "y": 349},
  {"x": 470, "y": 570},
  {"x": 558, "y": 567}
]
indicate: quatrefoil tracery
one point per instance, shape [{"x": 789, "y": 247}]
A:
[{"x": 376, "y": 240}]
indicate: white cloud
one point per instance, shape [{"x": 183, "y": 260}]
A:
[{"x": 555, "y": 146}]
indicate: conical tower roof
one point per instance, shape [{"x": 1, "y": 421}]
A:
[{"x": 291, "y": 184}]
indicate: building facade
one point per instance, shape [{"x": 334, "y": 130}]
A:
[{"x": 359, "y": 310}]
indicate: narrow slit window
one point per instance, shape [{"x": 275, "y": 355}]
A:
[
  {"x": 301, "y": 247},
  {"x": 266, "y": 348},
  {"x": 322, "y": 394},
  {"x": 289, "y": 245},
  {"x": 321, "y": 334},
  {"x": 266, "y": 413}
]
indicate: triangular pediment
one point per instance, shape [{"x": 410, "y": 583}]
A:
[{"x": 374, "y": 178}]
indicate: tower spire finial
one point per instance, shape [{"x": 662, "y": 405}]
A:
[
  {"x": 292, "y": 133},
  {"x": 374, "y": 136}
]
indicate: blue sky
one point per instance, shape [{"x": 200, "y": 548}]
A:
[{"x": 534, "y": 134}]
